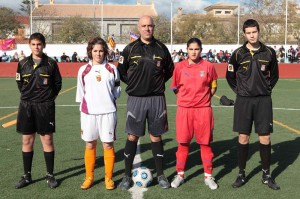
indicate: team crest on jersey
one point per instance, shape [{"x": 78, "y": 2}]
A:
[
  {"x": 98, "y": 77},
  {"x": 202, "y": 73},
  {"x": 18, "y": 76},
  {"x": 45, "y": 81},
  {"x": 263, "y": 68},
  {"x": 230, "y": 68},
  {"x": 121, "y": 59},
  {"x": 158, "y": 63}
]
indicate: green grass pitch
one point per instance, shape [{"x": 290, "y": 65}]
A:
[{"x": 69, "y": 162}]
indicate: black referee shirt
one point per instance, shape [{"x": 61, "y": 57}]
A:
[
  {"x": 253, "y": 73},
  {"x": 38, "y": 83},
  {"x": 145, "y": 68}
]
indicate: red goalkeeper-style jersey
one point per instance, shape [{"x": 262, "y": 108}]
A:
[{"x": 193, "y": 82}]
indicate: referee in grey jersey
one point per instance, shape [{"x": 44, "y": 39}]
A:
[{"x": 145, "y": 66}]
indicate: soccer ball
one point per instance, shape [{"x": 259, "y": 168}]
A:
[{"x": 142, "y": 177}]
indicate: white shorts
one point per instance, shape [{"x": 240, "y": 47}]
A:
[{"x": 95, "y": 126}]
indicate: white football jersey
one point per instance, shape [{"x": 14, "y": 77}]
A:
[{"x": 96, "y": 90}]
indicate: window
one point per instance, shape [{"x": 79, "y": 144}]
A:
[
  {"x": 227, "y": 12},
  {"x": 218, "y": 12}
]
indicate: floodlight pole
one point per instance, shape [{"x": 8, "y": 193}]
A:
[
  {"x": 285, "y": 35},
  {"x": 101, "y": 1},
  {"x": 30, "y": 17},
  {"x": 238, "y": 30}
]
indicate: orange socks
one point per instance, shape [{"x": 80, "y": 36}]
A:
[
  {"x": 89, "y": 160},
  {"x": 109, "y": 162}
]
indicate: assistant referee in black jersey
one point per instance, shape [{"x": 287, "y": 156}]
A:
[
  {"x": 39, "y": 82},
  {"x": 145, "y": 66},
  {"x": 252, "y": 74}
]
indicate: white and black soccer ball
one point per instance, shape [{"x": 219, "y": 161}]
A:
[{"x": 142, "y": 177}]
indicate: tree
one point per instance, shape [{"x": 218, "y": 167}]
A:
[
  {"x": 270, "y": 16},
  {"x": 203, "y": 27},
  {"x": 9, "y": 24},
  {"x": 25, "y": 6},
  {"x": 162, "y": 28},
  {"x": 77, "y": 30}
]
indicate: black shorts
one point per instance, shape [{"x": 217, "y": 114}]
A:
[
  {"x": 253, "y": 109},
  {"x": 36, "y": 117},
  {"x": 153, "y": 109}
]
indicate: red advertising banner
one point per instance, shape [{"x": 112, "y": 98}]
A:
[{"x": 7, "y": 44}]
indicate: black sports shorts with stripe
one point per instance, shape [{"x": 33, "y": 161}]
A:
[{"x": 151, "y": 109}]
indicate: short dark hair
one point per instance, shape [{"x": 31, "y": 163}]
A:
[
  {"x": 250, "y": 23},
  {"x": 194, "y": 40},
  {"x": 38, "y": 36},
  {"x": 92, "y": 42}
]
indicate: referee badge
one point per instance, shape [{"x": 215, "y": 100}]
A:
[
  {"x": 230, "y": 68},
  {"x": 18, "y": 76},
  {"x": 263, "y": 68},
  {"x": 202, "y": 73},
  {"x": 158, "y": 63},
  {"x": 121, "y": 59},
  {"x": 45, "y": 82}
]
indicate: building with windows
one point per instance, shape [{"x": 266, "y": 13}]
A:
[{"x": 115, "y": 19}]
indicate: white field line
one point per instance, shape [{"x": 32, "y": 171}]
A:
[
  {"x": 168, "y": 105},
  {"x": 137, "y": 192}
]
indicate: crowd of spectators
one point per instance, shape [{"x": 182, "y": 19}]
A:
[{"x": 292, "y": 56}]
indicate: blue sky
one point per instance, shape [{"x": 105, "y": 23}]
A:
[{"x": 162, "y": 6}]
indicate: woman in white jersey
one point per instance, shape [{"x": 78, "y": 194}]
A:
[{"x": 98, "y": 87}]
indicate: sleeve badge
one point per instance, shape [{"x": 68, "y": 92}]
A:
[
  {"x": 18, "y": 76},
  {"x": 230, "y": 68},
  {"x": 121, "y": 59}
]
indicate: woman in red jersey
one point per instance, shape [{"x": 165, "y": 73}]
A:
[{"x": 194, "y": 83}]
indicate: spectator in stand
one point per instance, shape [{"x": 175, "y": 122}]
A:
[
  {"x": 209, "y": 56},
  {"x": 214, "y": 54},
  {"x": 5, "y": 57},
  {"x": 117, "y": 55},
  {"x": 220, "y": 56},
  {"x": 22, "y": 55},
  {"x": 291, "y": 54},
  {"x": 15, "y": 57},
  {"x": 175, "y": 57},
  {"x": 85, "y": 59},
  {"x": 181, "y": 55},
  {"x": 68, "y": 59},
  {"x": 298, "y": 54},
  {"x": 281, "y": 49},
  {"x": 63, "y": 58},
  {"x": 55, "y": 58},
  {"x": 74, "y": 57},
  {"x": 227, "y": 56},
  {"x": 111, "y": 56}
]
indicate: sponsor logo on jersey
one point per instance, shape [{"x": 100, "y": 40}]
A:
[
  {"x": 230, "y": 68},
  {"x": 121, "y": 59},
  {"x": 202, "y": 73},
  {"x": 18, "y": 76}
]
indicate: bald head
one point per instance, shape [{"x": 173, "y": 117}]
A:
[{"x": 146, "y": 28}]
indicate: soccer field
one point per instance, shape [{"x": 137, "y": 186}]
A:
[{"x": 69, "y": 162}]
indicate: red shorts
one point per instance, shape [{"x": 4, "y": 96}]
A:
[{"x": 194, "y": 121}]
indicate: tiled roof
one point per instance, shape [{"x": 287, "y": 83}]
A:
[
  {"x": 24, "y": 20},
  {"x": 220, "y": 6},
  {"x": 90, "y": 11}
]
